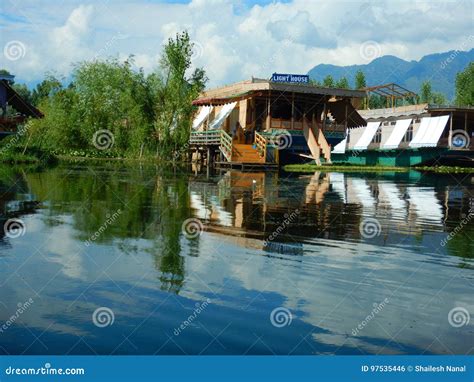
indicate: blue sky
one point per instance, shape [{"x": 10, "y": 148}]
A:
[{"x": 234, "y": 39}]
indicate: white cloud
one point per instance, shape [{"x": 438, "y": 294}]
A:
[{"x": 235, "y": 41}]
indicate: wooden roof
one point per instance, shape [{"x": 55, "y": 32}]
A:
[{"x": 18, "y": 103}]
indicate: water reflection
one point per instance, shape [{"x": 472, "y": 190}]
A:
[{"x": 247, "y": 261}]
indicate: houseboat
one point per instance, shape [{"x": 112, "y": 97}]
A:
[
  {"x": 14, "y": 109},
  {"x": 410, "y": 135},
  {"x": 272, "y": 122}
]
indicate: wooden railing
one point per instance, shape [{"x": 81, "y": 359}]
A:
[
  {"x": 261, "y": 144},
  {"x": 209, "y": 137},
  {"x": 226, "y": 145}
]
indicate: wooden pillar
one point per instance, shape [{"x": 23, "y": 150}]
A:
[
  {"x": 325, "y": 114},
  {"x": 345, "y": 119},
  {"x": 269, "y": 117},
  {"x": 242, "y": 114},
  {"x": 292, "y": 110},
  {"x": 450, "y": 136}
]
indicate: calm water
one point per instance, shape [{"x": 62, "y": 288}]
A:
[{"x": 105, "y": 261}]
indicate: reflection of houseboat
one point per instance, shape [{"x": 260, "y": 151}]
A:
[
  {"x": 410, "y": 135},
  {"x": 262, "y": 122},
  {"x": 14, "y": 109}
]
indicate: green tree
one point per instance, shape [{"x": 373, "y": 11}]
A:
[
  {"x": 328, "y": 81},
  {"x": 360, "y": 82},
  {"x": 465, "y": 86},
  {"x": 343, "y": 83},
  {"x": 46, "y": 88},
  {"x": 428, "y": 96}
]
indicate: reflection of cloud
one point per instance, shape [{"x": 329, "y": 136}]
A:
[{"x": 65, "y": 250}]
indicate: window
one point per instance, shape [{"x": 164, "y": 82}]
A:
[
  {"x": 378, "y": 136},
  {"x": 409, "y": 134}
]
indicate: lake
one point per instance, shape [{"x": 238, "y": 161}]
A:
[{"x": 146, "y": 259}]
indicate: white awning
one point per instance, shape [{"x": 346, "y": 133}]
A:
[
  {"x": 340, "y": 148},
  {"x": 367, "y": 136},
  {"x": 429, "y": 132},
  {"x": 222, "y": 115},
  {"x": 398, "y": 133},
  {"x": 201, "y": 116}
]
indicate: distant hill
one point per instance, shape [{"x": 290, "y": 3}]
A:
[{"x": 439, "y": 68}]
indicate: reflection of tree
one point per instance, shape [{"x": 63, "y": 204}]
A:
[{"x": 153, "y": 206}]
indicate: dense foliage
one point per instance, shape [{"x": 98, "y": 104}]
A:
[
  {"x": 465, "y": 86},
  {"x": 110, "y": 109}
]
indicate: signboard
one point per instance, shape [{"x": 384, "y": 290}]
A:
[{"x": 290, "y": 78}]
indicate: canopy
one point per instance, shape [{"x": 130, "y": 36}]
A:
[
  {"x": 367, "y": 136},
  {"x": 398, "y": 133},
  {"x": 340, "y": 148},
  {"x": 222, "y": 115},
  {"x": 429, "y": 132},
  {"x": 201, "y": 116}
]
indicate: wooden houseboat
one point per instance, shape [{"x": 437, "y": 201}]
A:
[
  {"x": 410, "y": 135},
  {"x": 268, "y": 123}
]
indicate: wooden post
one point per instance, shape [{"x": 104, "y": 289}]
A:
[
  {"x": 325, "y": 113},
  {"x": 269, "y": 117},
  {"x": 450, "y": 136},
  {"x": 292, "y": 110}
]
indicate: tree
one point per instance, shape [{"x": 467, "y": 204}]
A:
[
  {"x": 343, "y": 83},
  {"x": 360, "y": 82},
  {"x": 428, "y": 96},
  {"x": 175, "y": 93},
  {"x": 465, "y": 86},
  {"x": 46, "y": 88},
  {"x": 23, "y": 91},
  {"x": 328, "y": 81}
]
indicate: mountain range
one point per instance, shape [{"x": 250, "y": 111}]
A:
[{"x": 439, "y": 68}]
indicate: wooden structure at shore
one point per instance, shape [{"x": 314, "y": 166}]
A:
[
  {"x": 260, "y": 123},
  {"x": 14, "y": 109}
]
